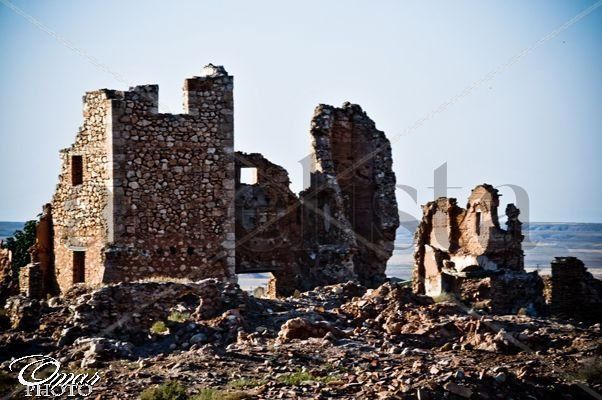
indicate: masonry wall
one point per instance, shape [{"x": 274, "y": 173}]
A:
[
  {"x": 269, "y": 227},
  {"x": 31, "y": 281},
  {"x": 574, "y": 291},
  {"x": 80, "y": 211},
  {"x": 173, "y": 184},
  {"x": 456, "y": 241},
  {"x": 480, "y": 233},
  {"x": 350, "y": 210},
  {"x": 43, "y": 253},
  {"x": 341, "y": 228},
  {"x": 156, "y": 196}
]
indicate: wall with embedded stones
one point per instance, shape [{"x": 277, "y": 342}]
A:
[
  {"x": 574, "y": 292},
  {"x": 42, "y": 252},
  {"x": 80, "y": 211},
  {"x": 156, "y": 196},
  {"x": 174, "y": 183},
  {"x": 31, "y": 281}
]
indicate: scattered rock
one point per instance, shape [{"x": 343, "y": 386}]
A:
[
  {"x": 459, "y": 390},
  {"x": 301, "y": 328}
]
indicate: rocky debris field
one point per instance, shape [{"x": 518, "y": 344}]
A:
[{"x": 210, "y": 340}]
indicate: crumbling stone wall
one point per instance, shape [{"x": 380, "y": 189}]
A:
[
  {"x": 8, "y": 278},
  {"x": 350, "y": 210},
  {"x": 465, "y": 252},
  {"x": 341, "y": 228},
  {"x": 81, "y": 211},
  {"x": 43, "y": 250},
  {"x": 574, "y": 291},
  {"x": 268, "y": 226},
  {"x": 480, "y": 233},
  {"x": 452, "y": 242},
  {"x": 31, "y": 282},
  {"x": 156, "y": 194}
]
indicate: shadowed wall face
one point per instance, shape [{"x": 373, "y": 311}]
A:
[
  {"x": 268, "y": 225},
  {"x": 341, "y": 228}
]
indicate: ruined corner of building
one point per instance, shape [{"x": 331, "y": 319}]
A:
[{"x": 8, "y": 275}]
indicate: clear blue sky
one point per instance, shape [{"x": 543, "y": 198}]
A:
[{"x": 537, "y": 123}]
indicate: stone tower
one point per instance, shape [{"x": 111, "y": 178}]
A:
[{"x": 143, "y": 193}]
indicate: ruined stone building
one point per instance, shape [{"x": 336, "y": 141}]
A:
[
  {"x": 145, "y": 194},
  {"x": 341, "y": 228},
  {"x": 142, "y": 193},
  {"x": 452, "y": 241},
  {"x": 465, "y": 252},
  {"x": 456, "y": 247}
]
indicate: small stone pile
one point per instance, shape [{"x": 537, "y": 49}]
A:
[
  {"x": 383, "y": 306},
  {"x": 303, "y": 328},
  {"x": 331, "y": 296},
  {"x": 93, "y": 351}
]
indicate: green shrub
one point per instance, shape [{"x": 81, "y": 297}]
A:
[
  {"x": 167, "y": 391},
  {"x": 176, "y": 391},
  {"x": 177, "y": 316},
  {"x": 20, "y": 243},
  {"x": 215, "y": 394},
  {"x": 243, "y": 383},
  {"x": 159, "y": 328},
  {"x": 206, "y": 394},
  {"x": 296, "y": 378},
  {"x": 591, "y": 371}
]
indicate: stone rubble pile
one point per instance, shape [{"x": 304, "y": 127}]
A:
[
  {"x": 339, "y": 341},
  {"x": 23, "y": 312},
  {"x": 93, "y": 351},
  {"x": 128, "y": 311}
]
